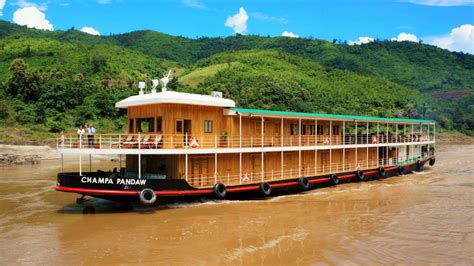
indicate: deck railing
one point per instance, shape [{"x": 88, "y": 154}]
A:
[
  {"x": 249, "y": 177},
  {"x": 164, "y": 141}
]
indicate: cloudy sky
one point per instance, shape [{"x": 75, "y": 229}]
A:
[{"x": 445, "y": 23}]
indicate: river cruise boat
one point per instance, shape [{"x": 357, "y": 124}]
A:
[{"x": 189, "y": 145}]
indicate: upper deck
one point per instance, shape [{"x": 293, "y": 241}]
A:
[{"x": 178, "y": 123}]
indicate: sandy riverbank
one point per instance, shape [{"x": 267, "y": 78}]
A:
[{"x": 34, "y": 154}]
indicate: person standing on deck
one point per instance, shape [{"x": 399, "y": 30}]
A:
[{"x": 90, "y": 135}]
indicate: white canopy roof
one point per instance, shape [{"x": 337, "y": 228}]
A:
[{"x": 174, "y": 97}]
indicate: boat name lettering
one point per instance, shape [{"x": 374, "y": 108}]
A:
[{"x": 110, "y": 181}]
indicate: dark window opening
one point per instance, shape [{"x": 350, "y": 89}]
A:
[
  {"x": 320, "y": 129},
  {"x": 146, "y": 125},
  {"x": 130, "y": 126},
  {"x": 158, "y": 124},
  {"x": 179, "y": 126}
]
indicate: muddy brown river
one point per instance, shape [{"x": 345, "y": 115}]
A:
[{"x": 426, "y": 217}]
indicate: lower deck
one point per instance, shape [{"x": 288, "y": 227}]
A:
[{"x": 205, "y": 170}]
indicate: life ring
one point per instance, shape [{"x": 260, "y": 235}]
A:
[
  {"x": 303, "y": 182},
  {"x": 432, "y": 161},
  {"x": 265, "y": 189},
  {"x": 334, "y": 179},
  {"x": 147, "y": 196},
  {"x": 194, "y": 143},
  {"x": 245, "y": 178},
  {"x": 419, "y": 165},
  {"x": 220, "y": 191},
  {"x": 382, "y": 172},
  {"x": 360, "y": 175},
  {"x": 401, "y": 170}
]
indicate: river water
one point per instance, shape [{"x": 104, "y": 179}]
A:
[{"x": 426, "y": 217}]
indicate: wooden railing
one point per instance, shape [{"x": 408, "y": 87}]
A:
[
  {"x": 248, "y": 177},
  {"x": 163, "y": 141}
]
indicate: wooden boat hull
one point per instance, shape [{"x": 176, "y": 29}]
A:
[{"x": 107, "y": 186}]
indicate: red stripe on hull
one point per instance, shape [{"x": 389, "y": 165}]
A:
[
  {"x": 347, "y": 176},
  {"x": 287, "y": 184},
  {"x": 97, "y": 191},
  {"x": 320, "y": 180},
  {"x": 239, "y": 189}
]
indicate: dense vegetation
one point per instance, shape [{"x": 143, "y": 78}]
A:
[{"x": 55, "y": 80}]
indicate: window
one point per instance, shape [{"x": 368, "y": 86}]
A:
[
  {"x": 158, "y": 124},
  {"x": 303, "y": 129},
  {"x": 335, "y": 130},
  {"x": 312, "y": 129},
  {"x": 130, "y": 126},
  {"x": 320, "y": 129},
  {"x": 207, "y": 126},
  {"x": 146, "y": 125},
  {"x": 179, "y": 126},
  {"x": 294, "y": 129}
]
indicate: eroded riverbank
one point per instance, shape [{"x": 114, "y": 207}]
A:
[{"x": 425, "y": 217}]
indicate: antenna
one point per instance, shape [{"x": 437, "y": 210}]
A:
[
  {"x": 164, "y": 81},
  {"x": 154, "y": 84},
  {"x": 141, "y": 86}
]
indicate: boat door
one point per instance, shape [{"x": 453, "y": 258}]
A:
[
  {"x": 256, "y": 167},
  {"x": 200, "y": 171},
  {"x": 187, "y": 131},
  {"x": 324, "y": 161}
]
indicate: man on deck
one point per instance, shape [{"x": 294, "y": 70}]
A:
[{"x": 90, "y": 130}]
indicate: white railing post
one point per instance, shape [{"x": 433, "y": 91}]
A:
[{"x": 80, "y": 155}]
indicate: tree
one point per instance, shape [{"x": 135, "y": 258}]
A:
[{"x": 23, "y": 84}]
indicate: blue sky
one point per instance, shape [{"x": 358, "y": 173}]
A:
[{"x": 432, "y": 21}]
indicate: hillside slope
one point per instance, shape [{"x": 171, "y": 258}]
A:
[{"x": 300, "y": 74}]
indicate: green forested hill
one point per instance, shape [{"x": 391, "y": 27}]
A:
[{"x": 56, "y": 79}]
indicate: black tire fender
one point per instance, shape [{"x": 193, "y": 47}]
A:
[
  {"x": 419, "y": 165},
  {"x": 382, "y": 172},
  {"x": 360, "y": 175},
  {"x": 432, "y": 161},
  {"x": 304, "y": 183},
  {"x": 147, "y": 196},
  {"x": 334, "y": 179},
  {"x": 401, "y": 170},
  {"x": 220, "y": 191},
  {"x": 265, "y": 189}
]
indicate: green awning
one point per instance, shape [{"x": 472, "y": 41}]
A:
[{"x": 327, "y": 116}]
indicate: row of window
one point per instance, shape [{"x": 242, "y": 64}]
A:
[
  {"x": 311, "y": 130},
  {"x": 147, "y": 125}
]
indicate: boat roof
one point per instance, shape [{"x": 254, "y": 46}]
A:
[
  {"x": 327, "y": 116},
  {"x": 174, "y": 97}
]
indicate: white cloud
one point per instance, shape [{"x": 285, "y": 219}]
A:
[
  {"x": 289, "y": 34},
  {"x": 264, "y": 17},
  {"x": 238, "y": 22},
  {"x": 460, "y": 39},
  {"x": 90, "y": 31},
  {"x": 443, "y": 2},
  {"x": 22, "y": 3},
  {"x": 361, "y": 40},
  {"x": 405, "y": 37},
  {"x": 194, "y": 4},
  {"x": 32, "y": 17},
  {"x": 2, "y": 4}
]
